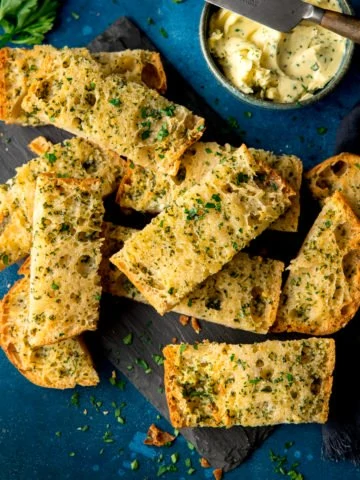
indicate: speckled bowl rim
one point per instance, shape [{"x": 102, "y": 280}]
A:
[{"x": 252, "y": 100}]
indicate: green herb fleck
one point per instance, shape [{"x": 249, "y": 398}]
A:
[
  {"x": 183, "y": 347},
  {"x": 144, "y": 365},
  {"x": 128, "y": 339},
  {"x": 116, "y": 102},
  {"x": 158, "y": 359},
  {"x": 321, "y": 130},
  {"x": 51, "y": 157},
  {"x": 163, "y": 133},
  {"x": 134, "y": 465},
  {"x": 164, "y": 32},
  {"x": 75, "y": 15},
  {"x": 55, "y": 286}
]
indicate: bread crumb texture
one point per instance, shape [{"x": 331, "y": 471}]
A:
[
  {"x": 62, "y": 365},
  {"x": 75, "y": 158},
  {"x": 245, "y": 294},
  {"x": 65, "y": 256},
  {"x": 322, "y": 292},
  {"x": 151, "y": 191},
  {"x": 203, "y": 229},
  {"x": 220, "y": 385},
  {"x": 119, "y": 115}
]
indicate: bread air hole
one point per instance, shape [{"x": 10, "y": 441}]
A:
[
  {"x": 339, "y": 168},
  {"x": 305, "y": 356},
  {"x": 64, "y": 261},
  {"x": 258, "y": 303},
  {"x": 259, "y": 363},
  {"x": 315, "y": 386},
  {"x": 150, "y": 76},
  {"x": 266, "y": 373},
  {"x": 293, "y": 394},
  {"x": 90, "y": 165},
  {"x": 349, "y": 263},
  {"x": 90, "y": 99},
  {"x": 342, "y": 235},
  {"x": 85, "y": 265}
]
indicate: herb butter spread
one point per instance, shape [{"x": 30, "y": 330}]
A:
[{"x": 283, "y": 67}]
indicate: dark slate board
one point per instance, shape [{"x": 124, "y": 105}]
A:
[{"x": 223, "y": 448}]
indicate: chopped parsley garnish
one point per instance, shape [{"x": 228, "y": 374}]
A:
[
  {"x": 144, "y": 365},
  {"x": 116, "y": 102},
  {"x": 158, "y": 359},
  {"x": 55, "y": 286},
  {"x": 75, "y": 399},
  {"x": 51, "y": 157},
  {"x": 163, "y": 133},
  {"x": 134, "y": 464},
  {"x": 183, "y": 348},
  {"x": 128, "y": 339},
  {"x": 321, "y": 130},
  {"x": 163, "y": 32}
]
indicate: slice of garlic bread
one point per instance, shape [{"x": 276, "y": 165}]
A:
[
  {"x": 340, "y": 173},
  {"x": 123, "y": 116},
  {"x": 151, "y": 191},
  {"x": 65, "y": 256},
  {"x": 203, "y": 229},
  {"x": 322, "y": 292},
  {"x": 62, "y": 365},
  {"x": 220, "y": 385},
  {"x": 244, "y": 294},
  {"x": 75, "y": 158},
  {"x": 19, "y": 67}
]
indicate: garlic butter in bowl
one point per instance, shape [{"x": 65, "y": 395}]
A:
[{"x": 272, "y": 69}]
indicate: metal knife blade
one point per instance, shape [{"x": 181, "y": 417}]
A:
[{"x": 282, "y": 15}]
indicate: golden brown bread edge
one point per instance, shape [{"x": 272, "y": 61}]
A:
[
  {"x": 153, "y": 74},
  {"x": 349, "y": 310},
  {"x": 338, "y": 173},
  {"x": 177, "y": 420}
]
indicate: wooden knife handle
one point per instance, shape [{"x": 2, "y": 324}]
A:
[{"x": 344, "y": 25}]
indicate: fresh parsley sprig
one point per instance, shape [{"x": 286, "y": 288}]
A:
[{"x": 26, "y": 21}]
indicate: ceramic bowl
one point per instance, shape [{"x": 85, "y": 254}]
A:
[{"x": 208, "y": 10}]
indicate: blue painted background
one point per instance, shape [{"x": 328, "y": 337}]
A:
[{"x": 43, "y": 435}]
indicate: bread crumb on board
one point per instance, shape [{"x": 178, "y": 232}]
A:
[
  {"x": 204, "y": 463},
  {"x": 157, "y": 437},
  {"x": 195, "y": 325},
  {"x": 184, "y": 319},
  {"x": 218, "y": 474}
]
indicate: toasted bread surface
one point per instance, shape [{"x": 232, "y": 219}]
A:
[
  {"x": 151, "y": 191},
  {"x": 61, "y": 365},
  {"x": 19, "y": 67},
  {"x": 75, "y": 158},
  {"x": 203, "y": 229},
  {"x": 220, "y": 385},
  {"x": 340, "y": 173},
  {"x": 244, "y": 294},
  {"x": 126, "y": 117},
  {"x": 322, "y": 292},
  {"x": 65, "y": 258}
]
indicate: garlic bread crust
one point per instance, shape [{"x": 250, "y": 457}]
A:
[
  {"x": 290, "y": 168},
  {"x": 123, "y": 116},
  {"x": 244, "y": 294},
  {"x": 203, "y": 229},
  {"x": 322, "y": 292},
  {"x": 62, "y": 365},
  {"x": 220, "y": 385},
  {"x": 151, "y": 191},
  {"x": 75, "y": 158},
  {"x": 65, "y": 256},
  {"x": 340, "y": 173},
  {"x": 19, "y": 67}
]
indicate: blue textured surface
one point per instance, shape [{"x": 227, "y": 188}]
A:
[{"x": 30, "y": 416}]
